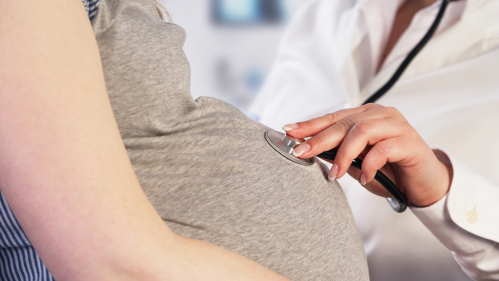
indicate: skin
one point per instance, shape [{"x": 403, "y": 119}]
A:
[
  {"x": 64, "y": 169},
  {"x": 385, "y": 141},
  {"x": 382, "y": 137},
  {"x": 402, "y": 21}
]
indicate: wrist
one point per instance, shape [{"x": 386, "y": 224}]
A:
[{"x": 443, "y": 179}]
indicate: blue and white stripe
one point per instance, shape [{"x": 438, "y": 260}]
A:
[
  {"x": 91, "y": 6},
  {"x": 18, "y": 259}
]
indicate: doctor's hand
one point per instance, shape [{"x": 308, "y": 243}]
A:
[{"x": 383, "y": 138}]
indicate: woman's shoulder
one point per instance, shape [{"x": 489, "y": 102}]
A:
[{"x": 91, "y": 6}]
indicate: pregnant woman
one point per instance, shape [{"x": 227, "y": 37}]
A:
[{"x": 230, "y": 207}]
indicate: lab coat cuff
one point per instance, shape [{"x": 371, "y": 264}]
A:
[
  {"x": 467, "y": 212},
  {"x": 472, "y": 201},
  {"x": 437, "y": 219},
  {"x": 447, "y": 219}
]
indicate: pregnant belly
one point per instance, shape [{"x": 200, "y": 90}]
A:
[{"x": 213, "y": 177}]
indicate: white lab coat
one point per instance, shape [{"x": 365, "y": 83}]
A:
[{"x": 449, "y": 94}]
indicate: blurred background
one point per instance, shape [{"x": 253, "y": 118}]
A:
[{"x": 231, "y": 44}]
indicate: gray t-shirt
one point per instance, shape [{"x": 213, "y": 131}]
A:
[{"x": 207, "y": 168}]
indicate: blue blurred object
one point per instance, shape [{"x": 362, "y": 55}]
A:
[
  {"x": 254, "y": 80},
  {"x": 247, "y": 12}
]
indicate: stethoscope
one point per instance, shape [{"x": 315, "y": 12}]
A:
[{"x": 284, "y": 144}]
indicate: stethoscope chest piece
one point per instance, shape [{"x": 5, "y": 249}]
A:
[{"x": 284, "y": 144}]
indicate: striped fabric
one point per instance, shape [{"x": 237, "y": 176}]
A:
[
  {"x": 91, "y": 6},
  {"x": 18, "y": 259}
]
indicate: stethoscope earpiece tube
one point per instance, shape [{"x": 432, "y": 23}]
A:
[
  {"x": 400, "y": 203},
  {"x": 400, "y": 70}
]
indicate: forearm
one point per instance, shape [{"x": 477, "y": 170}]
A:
[
  {"x": 198, "y": 260},
  {"x": 64, "y": 169}
]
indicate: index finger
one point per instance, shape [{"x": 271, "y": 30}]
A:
[{"x": 319, "y": 124}]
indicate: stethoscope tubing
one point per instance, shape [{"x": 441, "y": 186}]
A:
[
  {"x": 412, "y": 54},
  {"x": 380, "y": 177},
  {"x": 357, "y": 163}
]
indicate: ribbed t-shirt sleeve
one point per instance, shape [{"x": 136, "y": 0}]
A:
[{"x": 91, "y": 6}]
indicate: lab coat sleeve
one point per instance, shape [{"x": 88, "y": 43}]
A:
[{"x": 466, "y": 221}]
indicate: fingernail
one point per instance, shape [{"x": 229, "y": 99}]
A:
[
  {"x": 299, "y": 150},
  {"x": 334, "y": 171},
  {"x": 290, "y": 127},
  {"x": 363, "y": 179}
]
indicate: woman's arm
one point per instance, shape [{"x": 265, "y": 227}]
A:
[
  {"x": 64, "y": 169},
  {"x": 458, "y": 205},
  {"x": 380, "y": 135}
]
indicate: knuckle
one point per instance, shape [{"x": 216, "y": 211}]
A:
[
  {"x": 332, "y": 117},
  {"x": 345, "y": 124},
  {"x": 362, "y": 128},
  {"x": 391, "y": 111},
  {"x": 370, "y": 105},
  {"x": 336, "y": 116},
  {"x": 341, "y": 156},
  {"x": 381, "y": 149},
  {"x": 367, "y": 168},
  {"x": 317, "y": 141}
]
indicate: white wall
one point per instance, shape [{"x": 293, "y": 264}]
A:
[{"x": 223, "y": 58}]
